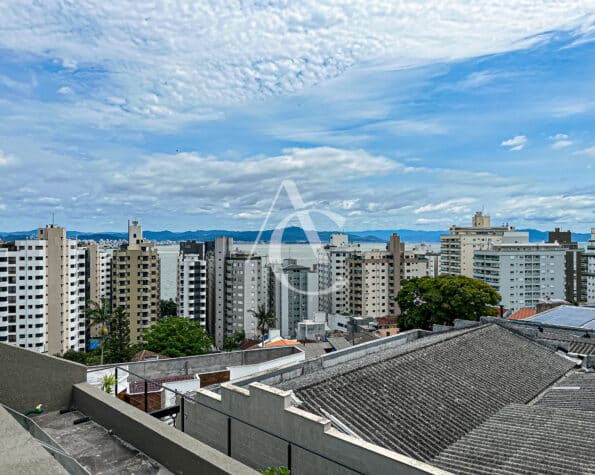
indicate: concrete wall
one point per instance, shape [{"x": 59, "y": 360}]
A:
[
  {"x": 203, "y": 363},
  {"x": 175, "y": 450},
  {"x": 248, "y": 369},
  {"x": 29, "y": 378},
  {"x": 265, "y": 424}
]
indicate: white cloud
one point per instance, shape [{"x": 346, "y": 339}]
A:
[
  {"x": 458, "y": 205},
  {"x": 590, "y": 152},
  {"x": 5, "y": 159},
  {"x": 515, "y": 144},
  {"x": 65, "y": 91},
  {"x": 560, "y": 141},
  {"x": 196, "y": 55}
]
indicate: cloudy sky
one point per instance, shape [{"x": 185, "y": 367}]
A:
[{"x": 190, "y": 114}]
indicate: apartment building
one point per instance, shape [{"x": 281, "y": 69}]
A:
[
  {"x": 575, "y": 266},
  {"x": 42, "y": 292},
  {"x": 136, "y": 282},
  {"x": 333, "y": 275},
  {"x": 99, "y": 272},
  {"x": 237, "y": 283},
  {"x": 522, "y": 272},
  {"x": 374, "y": 279},
  {"x": 293, "y": 295},
  {"x": 457, "y": 247},
  {"x": 590, "y": 271},
  {"x": 432, "y": 258},
  {"x": 191, "y": 296}
]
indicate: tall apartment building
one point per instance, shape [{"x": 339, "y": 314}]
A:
[
  {"x": 590, "y": 271},
  {"x": 457, "y": 247},
  {"x": 293, "y": 295},
  {"x": 433, "y": 259},
  {"x": 42, "y": 292},
  {"x": 236, "y": 285},
  {"x": 136, "y": 282},
  {"x": 333, "y": 274},
  {"x": 191, "y": 296},
  {"x": 574, "y": 268},
  {"x": 375, "y": 279},
  {"x": 523, "y": 273},
  {"x": 99, "y": 272}
]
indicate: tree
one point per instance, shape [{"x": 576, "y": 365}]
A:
[
  {"x": 426, "y": 301},
  {"x": 118, "y": 341},
  {"x": 178, "y": 336},
  {"x": 232, "y": 342},
  {"x": 168, "y": 308},
  {"x": 265, "y": 319},
  {"x": 100, "y": 315}
]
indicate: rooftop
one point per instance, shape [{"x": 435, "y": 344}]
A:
[
  {"x": 420, "y": 398},
  {"x": 522, "y": 313},
  {"x": 567, "y": 316}
]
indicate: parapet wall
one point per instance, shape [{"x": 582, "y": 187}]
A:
[
  {"x": 260, "y": 427},
  {"x": 30, "y": 378}
]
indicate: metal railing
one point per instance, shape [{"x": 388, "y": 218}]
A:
[
  {"x": 178, "y": 411},
  {"x": 70, "y": 464}
]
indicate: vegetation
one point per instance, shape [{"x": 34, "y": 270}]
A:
[
  {"x": 177, "y": 336},
  {"x": 100, "y": 315},
  {"x": 168, "y": 308},
  {"x": 275, "y": 471},
  {"x": 265, "y": 319},
  {"x": 118, "y": 340},
  {"x": 234, "y": 341},
  {"x": 109, "y": 380},
  {"x": 426, "y": 301}
]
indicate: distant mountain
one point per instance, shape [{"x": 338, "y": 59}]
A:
[{"x": 291, "y": 235}]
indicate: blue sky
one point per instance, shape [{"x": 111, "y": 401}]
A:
[{"x": 190, "y": 116}]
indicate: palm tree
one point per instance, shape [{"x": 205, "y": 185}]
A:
[
  {"x": 265, "y": 319},
  {"x": 100, "y": 315}
]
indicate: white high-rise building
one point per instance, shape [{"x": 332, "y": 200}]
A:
[
  {"x": 590, "y": 274},
  {"x": 523, "y": 273},
  {"x": 293, "y": 295},
  {"x": 457, "y": 247},
  {"x": 42, "y": 292},
  {"x": 333, "y": 273},
  {"x": 192, "y": 282}
]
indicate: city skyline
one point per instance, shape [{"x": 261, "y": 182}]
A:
[{"x": 394, "y": 117}]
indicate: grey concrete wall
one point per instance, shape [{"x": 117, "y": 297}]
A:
[
  {"x": 30, "y": 378},
  {"x": 266, "y": 423},
  {"x": 177, "y": 451},
  {"x": 203, "y": 363},
  {"x": 20, "y": 453}
]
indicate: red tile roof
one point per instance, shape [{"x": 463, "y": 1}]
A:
[
  {"x": 145, "y": 355},
  {"x": 523, "y": 313}
]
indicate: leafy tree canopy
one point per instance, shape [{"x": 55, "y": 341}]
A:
[
  {"x": 177, "y": 336},
  {"x": 426, "y": 301},
  {"x": 233, "y": 342},
  {"x": 168, "y": 308}
]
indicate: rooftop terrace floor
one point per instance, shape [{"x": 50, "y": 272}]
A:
[{"x": 95, "y": 447}]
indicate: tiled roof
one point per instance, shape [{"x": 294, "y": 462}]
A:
[
  {"x": 282, "y": 342},
  {"x": 525, "y": 440},
  {"x": 143, "y": 355},
  {"x": 430, "y": 394},
  {"x": 574, "y": 391},
  {"x": 249, "y": 344},
  {"x": 523, "y": 313},
  {"x": 339, "y": 342}
]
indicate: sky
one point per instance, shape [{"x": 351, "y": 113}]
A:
[{"x": 191, "y": 115}]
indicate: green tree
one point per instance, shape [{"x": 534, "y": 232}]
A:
[
  {"x": 100, "y": 315},
  {"x": 178, "y": 336},
  {"x": 168, "y": 308},
  {"x": 426, "y": 301},
  {"x": 118, "y": 341},
  {"x": 265, "y": 319},
  {"x": 233, "y": 342}
]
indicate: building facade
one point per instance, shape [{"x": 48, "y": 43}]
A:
[
  {"x": 457, "y": 247},
  {"x": 136, "y": 282},
  {"x": 191, "y": 296},
  {"x": 42, "y": 293},
  {"x": 293, "y": 295},
  {"x": 590, "y": 271},
  {"x": 333, "y": 274},
  {"x": 523, "y": 273},
  {"x": 574, "y": 267}
]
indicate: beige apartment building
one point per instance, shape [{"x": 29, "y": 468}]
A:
[
  {"x": 375, "y": 279},
  {"x": 136, "y": 282},
  {"x": 457, "y": 247}
]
